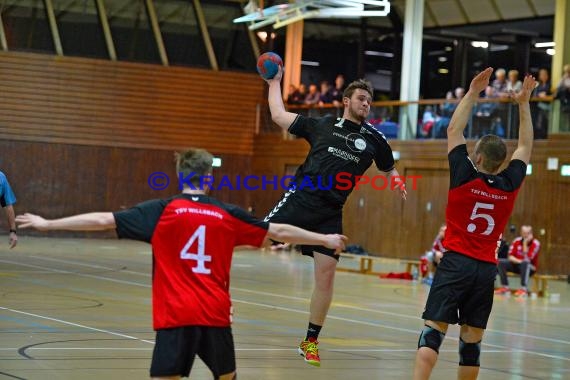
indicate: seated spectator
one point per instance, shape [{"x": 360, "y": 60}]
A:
[
  {"x": 292, "y": 94},
  {"x": 440, "y": 127},
  {"x": 500, "y": 91},
  {"x": 500, "y": 84},
  {"x": 434, "y": 256},
  {"x": 514, "y": 84},
  {"x": 487, "y": 120},
  {"x": 338, "y": 90},
  {"x": 299, "y": 95},
  {"x": 313, "y": 96},
  {"x": 326, "y": 96},
  {"x": 522, "y": 259},
  {"x": 542, "y": 109},
  {"x": 428, "y": 121}
]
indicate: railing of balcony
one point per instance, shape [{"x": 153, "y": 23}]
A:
[{"x": 496, "y": 116}]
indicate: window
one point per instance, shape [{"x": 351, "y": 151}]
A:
[
  {"x": 79, "y": 28},
  {"x": 26, "y": 25},
  {"x": 131, "y": 31},
  {"x": 181, "y": 33}
]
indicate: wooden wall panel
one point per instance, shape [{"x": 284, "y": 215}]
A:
[
  {"x": 56, "y": 180},
  {"x": 389, "y": 227},
  {"x": 103, "y": 103}
]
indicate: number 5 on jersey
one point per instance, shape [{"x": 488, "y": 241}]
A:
[
  {"x": 200, "y": 257},
  {"x": 474, "y": 215}
]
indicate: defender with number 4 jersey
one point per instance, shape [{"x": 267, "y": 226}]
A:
[{"x": 193, "y": 237}]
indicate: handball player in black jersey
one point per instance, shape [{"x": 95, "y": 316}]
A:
[
  {"x": 480, "y": 201},
  {"x": 344, "y": 146}
]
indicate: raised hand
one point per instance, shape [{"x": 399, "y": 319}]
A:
[
  {"x": 528, "y": 87},
  {"x": 481, "y": 81},
  {"x": 32, "y": 221},
  {"x": 277, "y": 77}
]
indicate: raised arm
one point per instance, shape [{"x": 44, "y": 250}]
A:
[
  {"x": 526, "y": 134},
  {"x": 94, "y": 221},
  {"x": 292, "y": 234},
  {"x": 464, "y": 108},
  {"x": 279, "y": 115}
]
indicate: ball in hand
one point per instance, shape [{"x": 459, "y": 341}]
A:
[{"x": 268, "y": 65}]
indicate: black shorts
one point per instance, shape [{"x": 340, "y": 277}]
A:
[
  {"x": 309, "y": 213},
  {"x": 462, "y": 291},
  {"x": 176, "y": 348}
]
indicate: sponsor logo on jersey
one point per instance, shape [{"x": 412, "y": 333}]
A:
[
  {"x": 343, "y": 154},
  {"x": 354, "y": 141}
]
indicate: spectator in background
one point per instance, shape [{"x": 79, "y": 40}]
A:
[
  {"x": 292, "y": 94},
  {"x": 326, "y": 96},
  {"x": 500, "y": 84},
  {"x": 522, "y": 259},
  {"x": 486, "y": 118},
  {"x": 434, "y": 256},
  {"x": 500, "y": 91},
  {"x": 7, "y": 201},
  {"x": 446, "y": 111},
  {"x": 313, "y": 96},
  {"x": 299, "y": 95},
  {"x": 338, "y": 90},
  {"x": 428, "y": 121},
  {"x": 514, "y": 84},
  {"x": 563, "y": 94},
  {"x": 542, "y": 109}
]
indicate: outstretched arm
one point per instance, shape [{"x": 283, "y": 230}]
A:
[
  {"x": 526, "y": 134},
  {"x": 292, "y": 234},
  {"x": 95, "y": 221},
  {"x": 464, "y": 108},
  {"x": 279, "y": 115}
]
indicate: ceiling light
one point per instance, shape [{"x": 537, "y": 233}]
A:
[
  {"x": 544, "y": 44},
  {"x": 378, "y": 53},
  {"x": 480, "y": 44},
  {"x": 442, "y": 59},
  {"x": 310, "y": 63},
  {"x": 443, "y": 71},
  {"x": 550, "y": 51}
]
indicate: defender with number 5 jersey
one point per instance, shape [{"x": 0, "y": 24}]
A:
[
  {"x": 480, "y": 201},
  {"x": 479, "y": 205}
]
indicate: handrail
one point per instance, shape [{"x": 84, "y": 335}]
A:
[{"x": 397, "y": 103}]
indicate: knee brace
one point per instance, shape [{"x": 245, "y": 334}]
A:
[
  {"x": 431, "y": 338},
  {"x": 469, "y": 353}
]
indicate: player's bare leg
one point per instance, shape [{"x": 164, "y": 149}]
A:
[
  {"x": 426, "y": 357},
  {"x": 325, "y": 268},
  {"x": 229, "y": 376},
  {"x": 470, "y": 349}
]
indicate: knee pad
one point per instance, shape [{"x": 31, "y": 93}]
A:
[
  {"x": 431, "y": 338},
  {"x": 469, "y": 353}
]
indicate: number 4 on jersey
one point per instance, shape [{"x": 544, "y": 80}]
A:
[
  {"x": 474, "y": 215},
  {"x": 200, "y": 257}
]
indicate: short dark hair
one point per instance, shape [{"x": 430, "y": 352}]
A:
[
  {"x": 494, "y": 150},
  {"x": 197, "y": 161},
  {"x": 358, "y": 84}
]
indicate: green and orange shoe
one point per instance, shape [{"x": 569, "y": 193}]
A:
[{"x": 310, "y": 351}]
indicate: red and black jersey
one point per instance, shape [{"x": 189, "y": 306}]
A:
[
  {"x": 479, "y": 205},
  {"x": 192, "y": 238},
  {"x": 516, "y": 250},
  {"x": 337, "y": 146}
]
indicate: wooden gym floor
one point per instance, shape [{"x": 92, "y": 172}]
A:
[{"x": 80, "y": 309}]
